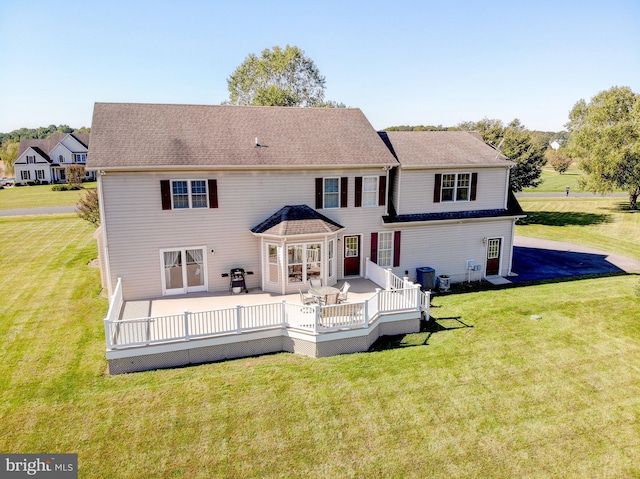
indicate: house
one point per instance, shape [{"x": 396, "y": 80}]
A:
[
  {"x": 46, "y": 160},
  {"x": 189, "y": 192}
]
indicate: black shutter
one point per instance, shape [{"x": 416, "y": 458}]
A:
[
  {"x": 396, "y": 249},
  {"x": 319, "y": 185},
  {"x": 358, "y": 200},
  {"x": 344, "y": 184},
  {"x": 213, "y": 193},
  {"x": 382, "y": 191},
  {"x": 436, "y": 188},
  {"x": 165, "y": 192},
  {"x": 474, "y": 186},
  {"x": 374, "y": 248}
]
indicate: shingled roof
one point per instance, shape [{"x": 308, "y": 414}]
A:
[
  {"x": 296, "y": 220},
  {"x": 442, "y": 149},
  {"x": 48, "y": 144},
  {"x": 139, "y": 136}
]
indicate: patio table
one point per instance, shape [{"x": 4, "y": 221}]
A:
[{"x": 321, "y": 292}]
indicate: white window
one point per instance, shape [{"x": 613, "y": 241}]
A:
[
  {"x": 189, "y": 194},
  {"x": 385, "y": 249},
  {"x": 31, "y": 159},
  {"x": 456, "y": 187},
  {"x": 370, "y": 191},
  {"x": 40, "y": 174},
  {"x": 81, "y": 157},
  {"x": 25, "y": 175},
  {"x": 331, "y": 193},
  {"x": 61, "y": 159},
  {"x": 304, "y": 262},
  {"x": 272, "y": 254}
]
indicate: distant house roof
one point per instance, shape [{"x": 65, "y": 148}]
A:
[
  {"x": 442, "y": 149},
  {"x": 296, "y": 220},
  {"x": 48, "y": 144},
  {"x": 139, "y": 136}
]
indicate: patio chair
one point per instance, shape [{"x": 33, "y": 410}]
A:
[
  {"x": 315, "y": 282},
  {"x": 344, "y": 291},
  {"x": 306, "y": 298},
  {"x": 331, "y": 298}
]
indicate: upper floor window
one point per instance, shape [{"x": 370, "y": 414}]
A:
[
  {"x": 31, "y": 159},
  {"x": 81, "y": 157},
  {"x": 370, "y": 191},
  {"x": 455, "y": 187},
  {"x": 181, "y": 194},
  {"x": 331, "y": 192}
]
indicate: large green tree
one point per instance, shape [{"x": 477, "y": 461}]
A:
[
  {"x": 516, "y": 143},
  {"x": 278, "y": 77},
  {"x": 605, "y": 138}
]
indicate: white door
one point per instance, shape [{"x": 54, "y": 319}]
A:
[{"x": 183, "y": 270}]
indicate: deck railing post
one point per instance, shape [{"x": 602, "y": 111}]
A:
[
  {"x": 387, "y": 278},
  {"x": 283, "y": 314},
  {"x": 365, "y": 313},
  {"x": 186, "y": 326},
  {"x": 148, "y": 330},
  {"x": 107, "y": 333},
  {"x": 239, "y": 319},
  {"x": 316, "y": 321}
]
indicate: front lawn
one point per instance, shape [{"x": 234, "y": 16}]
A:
[
  {"x": 39, "y": 196},
  {"x": 604, "y": 223},
  {"x": 486, "y": 390}
]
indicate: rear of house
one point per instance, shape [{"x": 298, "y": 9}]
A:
[{"x": 188, "y": 192}]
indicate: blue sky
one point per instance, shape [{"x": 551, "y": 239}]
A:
[{"x": 401, "y": 62}]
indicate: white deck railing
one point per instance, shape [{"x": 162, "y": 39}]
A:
[
  {"x": 383, "y": 277},
  {"x": 242, "y": 319}
]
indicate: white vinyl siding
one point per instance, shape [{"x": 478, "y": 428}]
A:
[
  {"x": 414, "y": 191},
  {"x": 134, "y": 236}
]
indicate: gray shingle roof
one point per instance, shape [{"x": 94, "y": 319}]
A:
[
  {"x": 296, "y": 220},
  {"x": 152, "y": 135},
  {"x": 48, "y": 144},
  {"x": 442, "y": 148}
]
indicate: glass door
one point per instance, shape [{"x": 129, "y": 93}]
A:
[{"x": 183, "y": 271}]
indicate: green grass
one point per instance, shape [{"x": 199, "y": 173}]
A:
[
  {"x": 553, "y": 182},
  {"x": 39, "y": 196},
  {"x": 602, "y": 222},
  {"x": 485, "y": 391}
]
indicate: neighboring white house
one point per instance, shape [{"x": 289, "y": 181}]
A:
[
  {"x": 46, "y": 161},
  {"x": 555, "y": 145},
  {"x": 189, "y": 192}
]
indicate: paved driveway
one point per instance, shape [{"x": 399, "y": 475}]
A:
[{"x": 537, "y": 259}]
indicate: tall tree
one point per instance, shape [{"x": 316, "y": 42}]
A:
[
  {"x": 278, "y": 78},
  {"x": 605, "y": 138},
  {"x": 516, "y": 143}
]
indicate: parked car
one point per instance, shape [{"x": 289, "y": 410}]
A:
[{"x": 7, "y": 181}]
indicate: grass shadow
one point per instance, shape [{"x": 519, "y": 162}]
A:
[
  {"x": 571, "y": 218},
  {"x": 427, "y": 329}
]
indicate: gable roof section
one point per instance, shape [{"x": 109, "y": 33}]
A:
[
  {"x": 442, "y": 149},
  {"x": 139, "y": 136},
  {"x": 296, "y": 220},
  {"x": 48, "y": 144}
]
